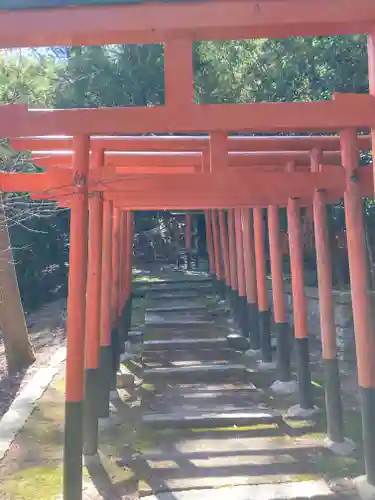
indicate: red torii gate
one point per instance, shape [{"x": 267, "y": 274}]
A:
[{"x": 181, "y": 24}]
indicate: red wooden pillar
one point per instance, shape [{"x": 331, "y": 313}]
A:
[
  {"x": 209, "y": 239},
  {"x": 92, "y": 345},
  {"x": 242, "y": 301},
  {"x": 116, "y": 347},
  {"x": 250, "y": 279},
  {"x": 224, "y": 246},
  {"x": 74, "y": 389},
  {"x": 262, "y": 289},
  {"x": 188, "y": 240},
  {"x": 232, "y": 262},
  {"x": 361, "y": 298},
  {"x": 281, "y": 326},
  {"x": 129, "y": 236},
  {"x": 299, "y": 305},
  {"x": 326, "y": 306},
  {"x": 122, "y": 279},
  {"x": 371, "y": 77},
  {"x": 105, "y": 355}
]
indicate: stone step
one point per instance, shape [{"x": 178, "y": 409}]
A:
[
  {"x": 196, "y": 373},
  {"x": 211, "y": 418},
  {"x": 201, "y": 444},
  {"x": 195, "y": 399},
  {"x": 171, "y": 296},
  {"x": 186, "y": 285},
  {"x": 189, "y": 355},
  {"x": 190, "y": 302},
  {"x": 175, "y": 320},
  {"x": 300, "y": 490},
  {"x": 169, "y": 332},
  {"x": 179, "y": 308},
  {"x": 177, "y": 281},
  {"x": 184, "y": 343}
]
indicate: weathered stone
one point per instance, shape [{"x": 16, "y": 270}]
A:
[{"x": 238, "y": 341}]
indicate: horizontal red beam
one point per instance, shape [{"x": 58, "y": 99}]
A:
[
  {"x": 189, "y": 143},
  {"x": 173, "y": 160},
  {"x": 243, "y": 182},
  {"x": 346, "y": 110},
  {"x": 158, "y": 21}
]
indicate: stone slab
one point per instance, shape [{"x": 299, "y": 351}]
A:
[
  {"x": 184, "y": 343},
  {"x": 211, "y": 419},
  {"x": 283, "y": 491}
]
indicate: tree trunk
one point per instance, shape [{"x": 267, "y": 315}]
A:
[{"x": 18, "y": 350}]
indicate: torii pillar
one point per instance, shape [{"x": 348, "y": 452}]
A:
[
  {"x": 74, "y": 388},
  {"x": 362, "y": 306}
]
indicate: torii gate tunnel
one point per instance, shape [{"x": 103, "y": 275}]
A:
[{"x": 103, "y": 178}]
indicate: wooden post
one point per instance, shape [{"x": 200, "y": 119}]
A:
[
  {"x": 261, "y": 274},
  {"x": 282, "y": 328},
  {"x": 105, "y": 356},
  {"x": 361, "y": 298},
  {"x": 74, "y": 389},
  {"x": 250, "y": 279},
  {"x": 299, "y": 305},
  {"x": 210, "y": 249},
  {"x": 242, "y": 301},
  {"x": 335, "y": 427},
  {"x": 232, "y": 263},
  {"x": 92, "y": 376}
]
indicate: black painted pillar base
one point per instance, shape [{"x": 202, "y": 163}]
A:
[
  {"x": 335, "y": 426},
  {"x": 234, "y": 304},
  {"x": 253, "y": 321},
  {"x": 104, "y": 381},
  {"x": 304, "y": 374},
  {"x": 188, "y": 260},
  {"x": 121, "y": 332},
  {"x": 367, "y": 400},
  {"x": 228, "y": 292},
  {"x": 90, "y": 422},
  {"x": 72, "y": 482},
  {"x": 128, "y": 316},
  {"x": 265, "y": 336},
  {"x": 222, "y": 289},
  {"x": 116, "y": 351},
  {"x": 242, "y": 316},
  {"x": 284, "y": 347}
]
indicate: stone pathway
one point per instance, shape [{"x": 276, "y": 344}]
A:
[{"x": 213, "y": 433}]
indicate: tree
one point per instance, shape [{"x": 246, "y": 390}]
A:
[{"x": 18, "y": 350}]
